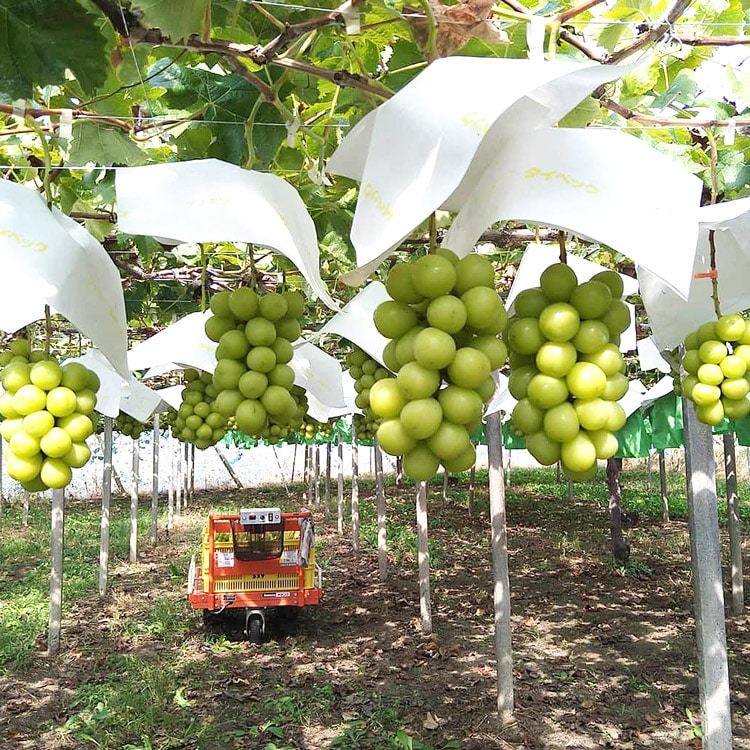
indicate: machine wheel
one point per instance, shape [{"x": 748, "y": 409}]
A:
[{"x": 255, "y": 630}]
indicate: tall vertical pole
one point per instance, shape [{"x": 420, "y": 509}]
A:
[
  {"x": 472, "y": 484},
  {"x": 192, "y": 473},
  {"x": 186, "y": 474},
  {"x": 306, "y": 464},
  {"x": 355, "y": 491},
  {"x": 328, "y": 480},
  {"x": 106, "y": 497},
  {"x": 177, "y": 478},
  {"x": 133, "y": 551},
  {"x": 708, "y": 591},
  {"x": 155, "y": 481},
  {"x": 170, "y": 484},
  {"x": 380, "y": 500},
  {"x": 316, "y": 468},
  {"x": 501, "y": 590},
  {"x": 310, "y": 496},
  {"x": 733, "y": 525},
  {"x": 56, "y": 572},
  {"x": 423, "y": 550},
  {"x": 663, "y": 487},
  {"x": 340, "y": 507}
]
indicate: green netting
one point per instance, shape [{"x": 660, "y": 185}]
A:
[
  {"x": 239, "y": 440},
  {"x": 742, "y": 431},
  {"x": 725, "y": 427},
  {"x": 665, "y": 416},
  {"x": 480, "y": 436},
  {"x": 634, "y": 438}
]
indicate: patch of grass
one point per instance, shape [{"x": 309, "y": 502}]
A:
[
  {"x": 161, "y": 682},
  {"x": 401, "y": 536},
  {"x": 634, "y": 569},
  {"x": 138, "y": 698}
]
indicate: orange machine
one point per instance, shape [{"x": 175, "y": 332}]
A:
[{"x": 258, "y": 559}]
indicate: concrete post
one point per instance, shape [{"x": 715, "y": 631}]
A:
[{"x": 708, "y": 590}]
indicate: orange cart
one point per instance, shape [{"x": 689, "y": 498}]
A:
[{"x": 258, "y": 559}]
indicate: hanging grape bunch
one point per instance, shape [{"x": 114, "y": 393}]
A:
[
  {"x": 252, "y": 377},
  {"x": 312, "y": 428},
  {"x": 275, "y": 431},
  {"x": 130, "y": 426},
  {"x": 444, "y": 319},
  {"x": 567, "y": 372},
  {"x": 365, "y": 371},
  {"x": 198, "y": 421},
  {"x": 716, "y": 360},
  {"x": 48, "y": 412},
  {"x": 168, "y": 418},
  {"x": 364, "y": 427}
]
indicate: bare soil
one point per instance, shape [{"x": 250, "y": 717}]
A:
[{"x": 601, "y": 659}]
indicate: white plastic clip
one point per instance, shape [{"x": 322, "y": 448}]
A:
[
  {"x": 318, "y": 175},
  {"x": 66, "y": 124},
  {"x": 351, "y": 17},
  {"x": 535, "y": 30},
  {"x": 291, "y": 131},
  {"x": 730, "y": 132},
  {"x": 19, "y": 108}
]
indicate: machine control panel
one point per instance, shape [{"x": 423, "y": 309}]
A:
[{"x": 257, "y": 516}]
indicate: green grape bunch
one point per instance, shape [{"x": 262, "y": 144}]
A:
[
  {"x": 365, "y": 372},
  {"x": 128, "y": 425},
  {"x": 198, "y": 421},
  {"x": 48, "y": 413},
  {"x": 567, "y": 372},
  {"x": 716, "y": 363},
  {"x": 253, "y": 378},
  {"x": 312, "y": 428},
  {"x": 365, "y": 428},
  {"x": 444, "y": 322}
]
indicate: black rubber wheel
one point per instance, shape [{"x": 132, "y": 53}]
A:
[
  {"x": 209, "y": 618},
  {"x": 255, "y": 630}
]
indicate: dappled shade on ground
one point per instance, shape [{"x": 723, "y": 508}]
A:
[{"x": 601, "y": 659}]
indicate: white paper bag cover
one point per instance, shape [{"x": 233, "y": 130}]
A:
[
  {"x": 355, "y": 321},
  {"x": 318, "y": 373},
  {"x": 116, "y": 393},
  {"x": 599, "y": 184},
  {"x": 412, "y": 153},
  {"x": 209, "y": 200},
  {"x": 49, "y": 259},
  {"x": 184, "y": 342},
  {"x": 671, "y": 317}
]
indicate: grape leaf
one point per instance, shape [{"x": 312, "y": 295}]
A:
[
  {"x": 177, "y": 19},
  {"x": 97, "y": 143},
  {"x": 40, "y": 39},
  {"x": 228, "y": 98},
  {"x": 683, "y": 90},
  {"x": 228, "y": 102},
  {"x": 268, "y": 134},
  {"x": 584, "y": 114}
]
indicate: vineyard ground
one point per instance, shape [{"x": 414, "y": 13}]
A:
[{"x": 604, "y": 657}]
